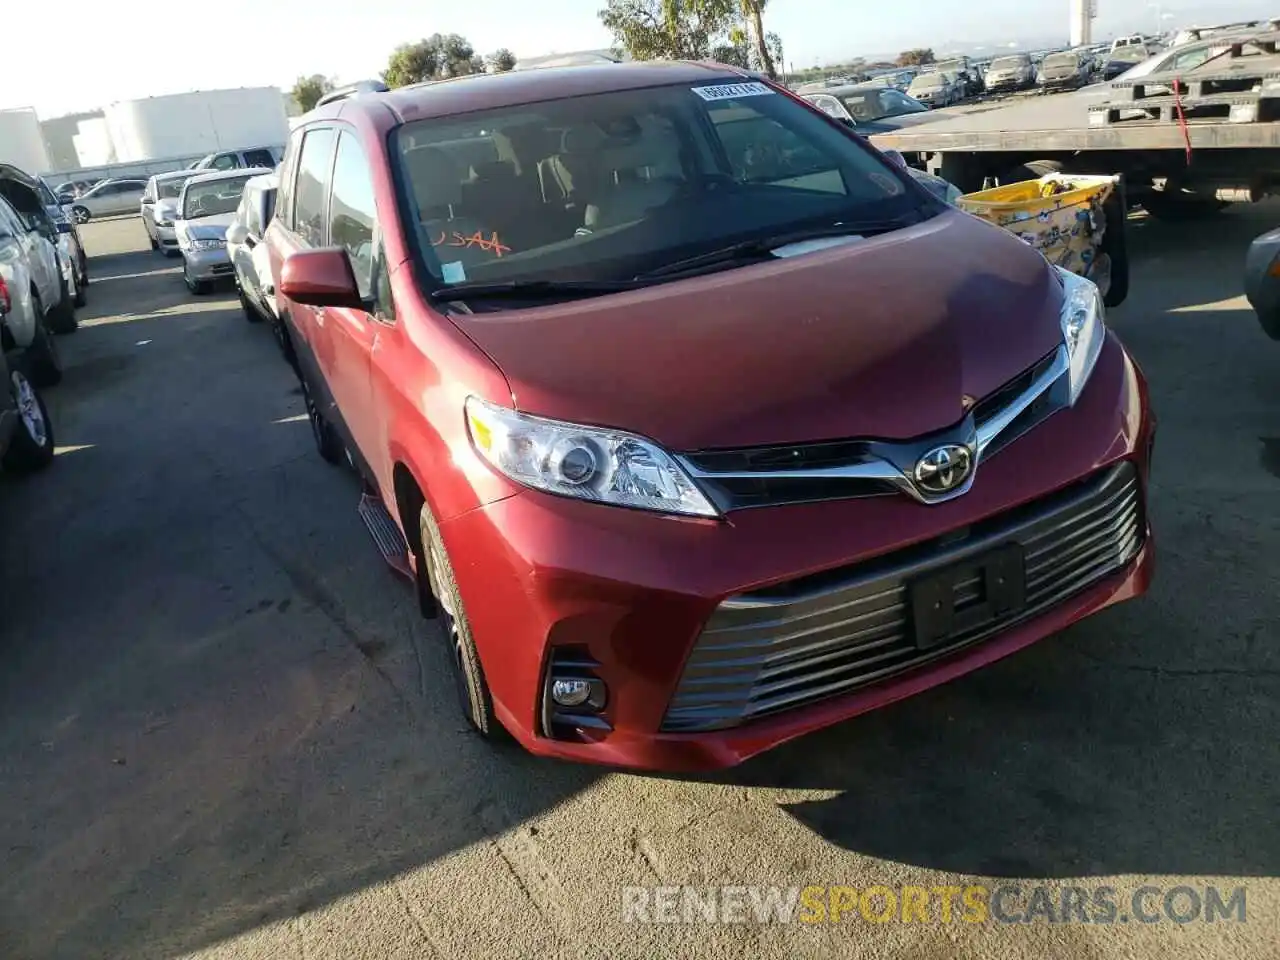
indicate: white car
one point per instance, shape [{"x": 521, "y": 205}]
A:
[
  {"x": 108, "y": 199},
  {"x": 159, "y": 209},
  {"x": 34, "y": 293}
]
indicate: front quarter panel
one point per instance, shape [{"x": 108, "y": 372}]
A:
[{"x": 423, "y": 370}]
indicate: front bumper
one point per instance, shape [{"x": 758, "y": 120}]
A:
[
  {"x": 547, "y": 580},
  {"x": 209, "y": 264},
  {"x": 165, "y": 236}
]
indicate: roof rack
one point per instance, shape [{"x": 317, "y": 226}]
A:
[{"x": 352, "y": 90}]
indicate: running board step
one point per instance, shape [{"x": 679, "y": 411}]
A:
[{"x": 386, "y": 535}]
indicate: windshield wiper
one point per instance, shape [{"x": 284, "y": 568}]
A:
[
  {"x": 479, "y": 289},
  {"x": 762, "y": 248}
]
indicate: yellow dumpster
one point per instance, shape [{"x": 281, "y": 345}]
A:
[{"x": 1061, "y": 215}]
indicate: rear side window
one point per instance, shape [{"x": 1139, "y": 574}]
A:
[
  {"x": 351, "y": 209},
  {"x": 309, "y": 212},
  {"x": 288, "y": 170},
  {"x": 259, "y": 158}
]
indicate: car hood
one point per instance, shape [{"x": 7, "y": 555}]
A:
[
  {"x": 205, "y": 228},
  {"x": 891, "y": 337},
  {"x": 903, "y": 120}
]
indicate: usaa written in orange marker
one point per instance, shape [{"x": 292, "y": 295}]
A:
[{"x": 492, "y": 244}]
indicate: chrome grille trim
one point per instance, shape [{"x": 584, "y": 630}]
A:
[
  {"x": 758, "y": 655},
  {"x": 885, "y": 466}
]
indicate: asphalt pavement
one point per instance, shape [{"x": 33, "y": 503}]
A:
[{"x": 225, "y": 732}]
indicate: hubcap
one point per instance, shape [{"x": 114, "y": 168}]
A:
[
  {"x": 29, "y": 410},
  {"x": 80, "y": 215}
]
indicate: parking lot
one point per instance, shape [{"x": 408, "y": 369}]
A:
[{"x": 226, "y": 732}]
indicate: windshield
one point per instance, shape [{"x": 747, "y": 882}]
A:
[
  {"x": 171, "y": 189},
  {"x": 928, "y": 81},
  {"x": 879, "y": 104},
  {"x": 1062, "y": 60},
  {"x": 212, "y": 199},
  {"x": 952, "y": 66},
  {"x": 46, "y": 195},
  {"x": 1009, "y": 63},
  {"x": 1129, "y": 54},
  {"x": 611, "y": 185}
]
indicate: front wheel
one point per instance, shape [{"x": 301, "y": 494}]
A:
[
  {"x": 62, "y": 318},
  {"x": 43, "y": 360},
  {"x": 250, "y": 311},
  {"x": 31, "y": 447},
  {"x": 198, "y": 287},
  {"x": 474, "y": 699},
  {"x": 80, "y": 214}
]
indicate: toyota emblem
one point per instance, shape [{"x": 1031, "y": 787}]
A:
[{"x": 944, "y": 468}]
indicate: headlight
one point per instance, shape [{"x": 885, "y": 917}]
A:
[
  {"x": 209, "y": 243},
  {"x": 164, "y": 221},
  {"x": 587, "y": 463},
  {"x": 1082, "y": 328}
]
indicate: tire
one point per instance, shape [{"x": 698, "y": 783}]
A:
[
  {"x": 472, "y": 689},
  {"x": 31, "y": 447},
  {"x": 1179, "y": 208},
  {"x": 81, "y": 214},
  {"x": 154, "y": 244},
  {"x": 1115, "y": 246},
  {"x": 44, "y": 365},
  {"x": 198, "y": 287},
  {"x": 250, "y": 311},
  {"x": 326, "y": 439},
  {"x": 1031, "y": 170},
  {"x": 62, "y": 318}
]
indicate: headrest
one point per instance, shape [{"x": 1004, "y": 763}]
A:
[
  {"x": 436, "y": 177},
  {"x": 633, "y": 156},
  {"x": 488, "y": 171},
  {"x": 581, "y": 140}
]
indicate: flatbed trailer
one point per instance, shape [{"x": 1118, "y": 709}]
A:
[{"x": 1186, "y": 144}]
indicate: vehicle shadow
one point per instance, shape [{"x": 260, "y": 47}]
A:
[{"x": 218, "y": 708}]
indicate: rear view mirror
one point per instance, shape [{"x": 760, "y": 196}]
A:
[{"x": 320, "y": 278}]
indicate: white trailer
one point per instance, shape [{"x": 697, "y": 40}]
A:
[
  {"x": 22, "y": 141},
  {"x": 192, "y": 124}
]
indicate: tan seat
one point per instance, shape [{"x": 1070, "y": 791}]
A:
[
  {"x": 436, "y": 181},
  {"x": 640, "y": 178}
]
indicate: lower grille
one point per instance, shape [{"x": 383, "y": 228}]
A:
[{"x": 798, "y": 643}]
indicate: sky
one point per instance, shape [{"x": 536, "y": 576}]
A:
[{"x": 113, "y": 51}]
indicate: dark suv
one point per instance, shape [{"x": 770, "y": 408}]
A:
[{"x": 696, "y": 421}]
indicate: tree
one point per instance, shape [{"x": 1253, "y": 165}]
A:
[
  {"x": 916, "y": 58},
  {"x": 664, "y": 29},
  {"x": 731, "y": 31},
  {"x": 437, "y": 57},
  {"x": 501, "y": 60},
  {"x": 308, "y": 90}
]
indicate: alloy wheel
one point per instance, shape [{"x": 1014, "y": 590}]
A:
[
  {"x": 449, "y": 623},
  {"x": 29, "y": 409}
]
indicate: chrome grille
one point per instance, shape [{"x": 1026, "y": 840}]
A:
[
  {"x": 834, "y": 632},
  {"x": 744, "y": 477}
]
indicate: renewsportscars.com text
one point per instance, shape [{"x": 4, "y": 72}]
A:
[{"x": 1001, "y": 903}]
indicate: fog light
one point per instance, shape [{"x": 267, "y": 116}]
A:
[{"x": 570, "y": 693}]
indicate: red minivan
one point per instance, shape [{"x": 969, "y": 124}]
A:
[{"x": 697, "y": 422}]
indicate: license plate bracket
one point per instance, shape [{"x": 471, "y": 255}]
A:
[{"x": 936, "y": 617}]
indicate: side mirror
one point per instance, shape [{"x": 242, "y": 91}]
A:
[
  {"x": 64, "y": 226},
  {"x": 237, "y": 233},
  {"x": 320, "y": 278}
]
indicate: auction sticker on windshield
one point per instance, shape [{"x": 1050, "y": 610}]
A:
[{"x": 732, "y": 91}]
